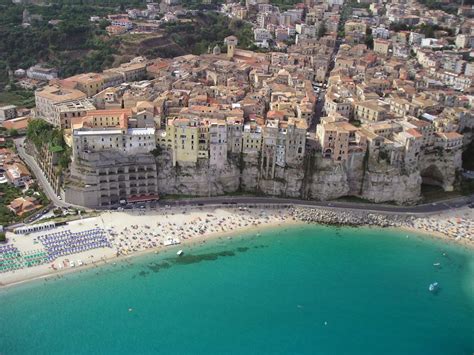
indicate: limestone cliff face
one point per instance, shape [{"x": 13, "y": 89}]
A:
[
  {"x": 440, "y": 167},
  {"x": 196, "y": 180},
  {"x": 315, "y": 179},
  {"x": 391, "y": 186},
  {"x": 326, "y": 180},
  {"x": 287, "y": 182}
]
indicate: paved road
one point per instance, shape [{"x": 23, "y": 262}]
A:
[
  {"x": 390, "y": 209},
  {"x": 251, "y": 200},
  {"x": 38, "y": 172}
]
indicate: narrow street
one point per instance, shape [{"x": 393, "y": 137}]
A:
[{"x": 40, "y": 177}]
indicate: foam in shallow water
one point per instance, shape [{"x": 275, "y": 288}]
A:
[{"x": 301, "y": 290}]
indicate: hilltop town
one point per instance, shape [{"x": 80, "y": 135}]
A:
[{"x": 363, "y": 99}]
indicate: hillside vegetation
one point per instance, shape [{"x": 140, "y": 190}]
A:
[{"x": 76, "y": 45}]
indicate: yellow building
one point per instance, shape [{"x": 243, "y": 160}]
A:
[
  {"x": 355, "y": 26},
  {"x": 370, "y": 111},
  {"x": 252, "y": 138},
  {"x": 89, "y": 83},
  {"x": 184, "y": 136},
  {"x": 104, "y": 118},
  {"x": 381, "y": 46}
]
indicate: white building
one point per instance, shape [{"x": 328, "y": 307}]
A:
[
  {"x": 217, "y": 143},
  {"x": 415, "y": 38},
  {"x": 464, "y": 41},
  {"x": 37, "y": 72},
  {"x": 129, "y": 141},
  {"x": 7, "y": 112},
  {"x": 380, "y": 32},
  {"x": 262, "y": 34}
]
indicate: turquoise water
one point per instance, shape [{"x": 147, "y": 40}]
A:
[{"x": 257, "y": 295}]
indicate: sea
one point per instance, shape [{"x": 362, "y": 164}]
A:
[{"x": 290, "y": 290}]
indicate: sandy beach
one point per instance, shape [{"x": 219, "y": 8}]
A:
[
  {"x": 132, "y": 233},
  {"x": 135, "y": 232}
]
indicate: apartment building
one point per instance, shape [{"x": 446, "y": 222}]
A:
[
  {"x": 65, "y": 112},
  {"x": 448, "y": 140},
  {"x": 131, "y": 71},
  {"x": 283, "y": 143},
  {"x": 381, "y": 46},
  {"x": 183, "y": 134},
  {"x": 217, "y": 142},
  {"x": 370, "y": 111},
  {"x": 335, "y": 104},
  {"x": 89, "y": 83},
  {"x": 252, "y": 138},
  {"x": 7, "y": 112},
  {"x": 111, "y": 162},
  {"x": 50, "y": 95},
  {"x": 384, "y": 129},
  {"x": 412, "y": 141},
  {"x": 340, "y": 139},
  {"x": 355, "y": 26},
  {"x": 37, "y": 72}
]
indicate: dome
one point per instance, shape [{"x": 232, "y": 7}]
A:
[{"x": 216, "y": 50}]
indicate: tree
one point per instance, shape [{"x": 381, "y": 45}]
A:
[
  {"x": 369, "y": 41},
  {"x": 322, "y": 29},
  {"x": 157, "y": 151},
  {"x": 38, "y": 132},
  {"x": 13, "y": 132}
]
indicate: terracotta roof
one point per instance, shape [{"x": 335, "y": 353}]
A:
[
  {"x": 414, "y": 132},
  {"x": 16, "y": 123},
  {"x": 450, "y": 135}
]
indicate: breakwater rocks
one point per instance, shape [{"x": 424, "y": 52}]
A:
[
  {"x": 459, "y": 229},
  {"x": 346, "y": 218}
]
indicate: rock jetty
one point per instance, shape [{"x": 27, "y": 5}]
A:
[
  {"x": 352, "y": 218},
  {"x": 455, "y": 228}
]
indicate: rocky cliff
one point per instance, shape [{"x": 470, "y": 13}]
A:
[{"x": 316, "y": 178}]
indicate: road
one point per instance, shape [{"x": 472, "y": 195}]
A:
[
  {"x": 38, "y": 172},
  {"x": 318, "y": 112},
  {"x": 430, "y": 208}
]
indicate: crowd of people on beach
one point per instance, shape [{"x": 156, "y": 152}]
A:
[
  {"x": 168, "y": 232},
  {"x": 117, "y": 233},
  {"x": 457, "y": 228}
]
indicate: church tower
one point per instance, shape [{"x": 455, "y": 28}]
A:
[{"x": 231, "y": 43}]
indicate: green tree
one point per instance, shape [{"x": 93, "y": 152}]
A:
[
  {"x": 322, "y": 29},
  {"x": 13, "y": 132}
]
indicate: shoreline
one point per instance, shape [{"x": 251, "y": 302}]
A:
[
  {"x": 225, "y": 223},
  {"x": 45, "y": 271},
  {"x": 56, "y": 274}
]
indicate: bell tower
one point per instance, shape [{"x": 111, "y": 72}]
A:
[{"x": 231, "y": 43}]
